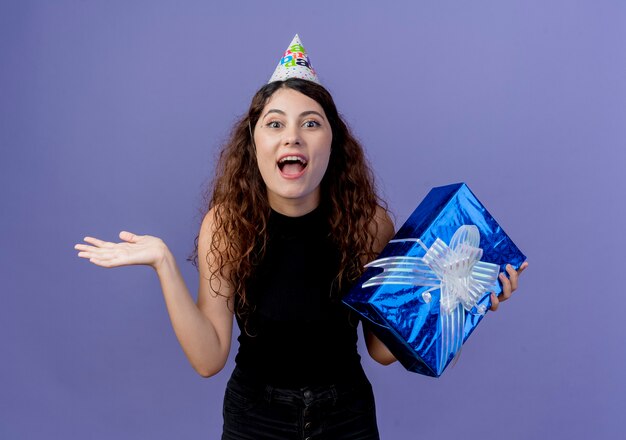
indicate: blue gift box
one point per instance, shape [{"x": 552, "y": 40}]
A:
[{"x": 430, "y": 287}]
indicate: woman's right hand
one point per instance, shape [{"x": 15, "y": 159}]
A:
[{"x": 135, "y": 250}]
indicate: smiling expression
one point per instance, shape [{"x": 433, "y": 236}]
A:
[{"x": 293, "y": 142}]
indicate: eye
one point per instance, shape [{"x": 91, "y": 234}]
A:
[
  {"x": 312, "y": 123},
  {"x": 273, "y": 124}
]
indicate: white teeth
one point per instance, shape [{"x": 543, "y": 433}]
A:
[{"x": 292, "y": 159}]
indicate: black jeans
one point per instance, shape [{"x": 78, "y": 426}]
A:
[{"x": 262, "y": 412}]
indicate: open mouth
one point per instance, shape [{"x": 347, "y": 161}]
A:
[{"x": 292, "y": 165}]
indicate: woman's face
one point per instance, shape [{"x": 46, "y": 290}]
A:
[{"x": 293, "y": 139}]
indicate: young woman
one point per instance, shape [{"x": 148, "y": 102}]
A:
[{"x": 292, "y": 219}]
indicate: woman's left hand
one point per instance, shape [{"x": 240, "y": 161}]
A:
[{"x": 509, "y": 285}]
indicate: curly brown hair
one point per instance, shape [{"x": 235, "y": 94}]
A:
[{"x": 238, "y": 197}]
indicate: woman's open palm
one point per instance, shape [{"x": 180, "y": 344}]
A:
[{"x": 136, "y": 249}]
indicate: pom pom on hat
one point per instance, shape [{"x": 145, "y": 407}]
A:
[{"x": 294, "y": 63}]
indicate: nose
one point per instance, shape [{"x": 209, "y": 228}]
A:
[{"x": 292, "y": 136}]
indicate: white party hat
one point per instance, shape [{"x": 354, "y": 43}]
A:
[{"x": 294, "y": 63}]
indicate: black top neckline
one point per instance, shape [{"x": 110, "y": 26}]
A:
[{"x": 309, "y": 219}]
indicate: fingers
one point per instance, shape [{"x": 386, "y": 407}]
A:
[
  {"x": 98, "y": 243},
  {"x": 99, "y": 246},
  {"x": 506, "y": 290},
  {"x": 133, "y": 250},
  {"x": 509, "y": 285},
  {"x": 495, "y": 303},
  {"x": 506, "y": 287},
  {"x": 89, "y": 251},
  {"x": 100, "y": 252},
  {"x": 522, "y": 267},
  {"x": 128, "y": 236},
  {"x": 100, "y": 260},
  {"x": 92, "y": 251},
  {"x": 512, "y": 277},
  {"x": 105, "y": 257}
]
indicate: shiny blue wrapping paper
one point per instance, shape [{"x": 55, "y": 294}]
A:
[{"x": 407, "y": 321}]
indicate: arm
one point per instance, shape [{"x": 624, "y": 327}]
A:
[
  {"x": 204, "y": 329},
  {"x": 383, "y": 228}
]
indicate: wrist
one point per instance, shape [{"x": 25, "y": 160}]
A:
[{"x": 164, "y": 257}]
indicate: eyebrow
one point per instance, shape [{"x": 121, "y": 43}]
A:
[{"x": 306, "y": 113}]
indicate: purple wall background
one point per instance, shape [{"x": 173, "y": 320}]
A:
[{"x": 111, "y": 114}]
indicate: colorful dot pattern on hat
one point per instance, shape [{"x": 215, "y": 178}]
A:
[{"x": 294, "y": 63}]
